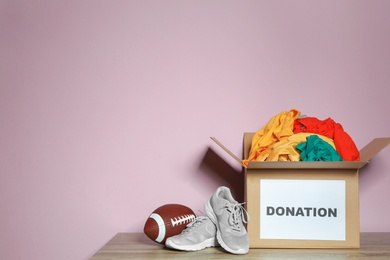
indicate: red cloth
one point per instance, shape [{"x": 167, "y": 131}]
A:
[{"x": 329, "y": 128}]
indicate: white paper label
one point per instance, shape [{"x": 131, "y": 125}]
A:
[{"x": 302, "y": 209}]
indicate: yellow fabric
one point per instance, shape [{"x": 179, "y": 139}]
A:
[
  {"x": 279, "y": 127},
  {"x": 284, "y": 150}
]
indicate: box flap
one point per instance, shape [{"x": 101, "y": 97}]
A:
[
  {"x": 226, "y": 150},
  {"x": 372, "y": 148}
]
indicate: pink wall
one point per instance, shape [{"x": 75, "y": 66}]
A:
[{"x": 106, "y": 107}]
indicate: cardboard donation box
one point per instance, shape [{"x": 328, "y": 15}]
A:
[{"x": 304, "y": 204}]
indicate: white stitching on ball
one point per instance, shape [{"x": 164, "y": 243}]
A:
[{"x": 182, "y": 220}]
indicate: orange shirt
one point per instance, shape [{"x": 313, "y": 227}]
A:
[
  {"x": 278, "y": 128},
  {"x": 285, "y": 150}
]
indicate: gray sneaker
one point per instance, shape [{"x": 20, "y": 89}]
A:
[
  {"x": 199, "y": 234},
  {"x": 229, "y": 217}
]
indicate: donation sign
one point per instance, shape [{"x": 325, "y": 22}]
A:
[{"x": 302, "y": 209}]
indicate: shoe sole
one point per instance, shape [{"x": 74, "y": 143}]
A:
[
  {"x": 210, "y": 213},
  {"x": 205, "y": 244}
]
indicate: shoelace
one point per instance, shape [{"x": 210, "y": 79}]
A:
[
  {"x": 237, "y": 215},
  {"x": 196, "y": 222}
]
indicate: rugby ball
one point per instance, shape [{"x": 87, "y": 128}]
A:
[{"x": 168, "y": 220}]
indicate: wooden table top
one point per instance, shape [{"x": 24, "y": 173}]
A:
[{"x": 139, "y": 246}]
